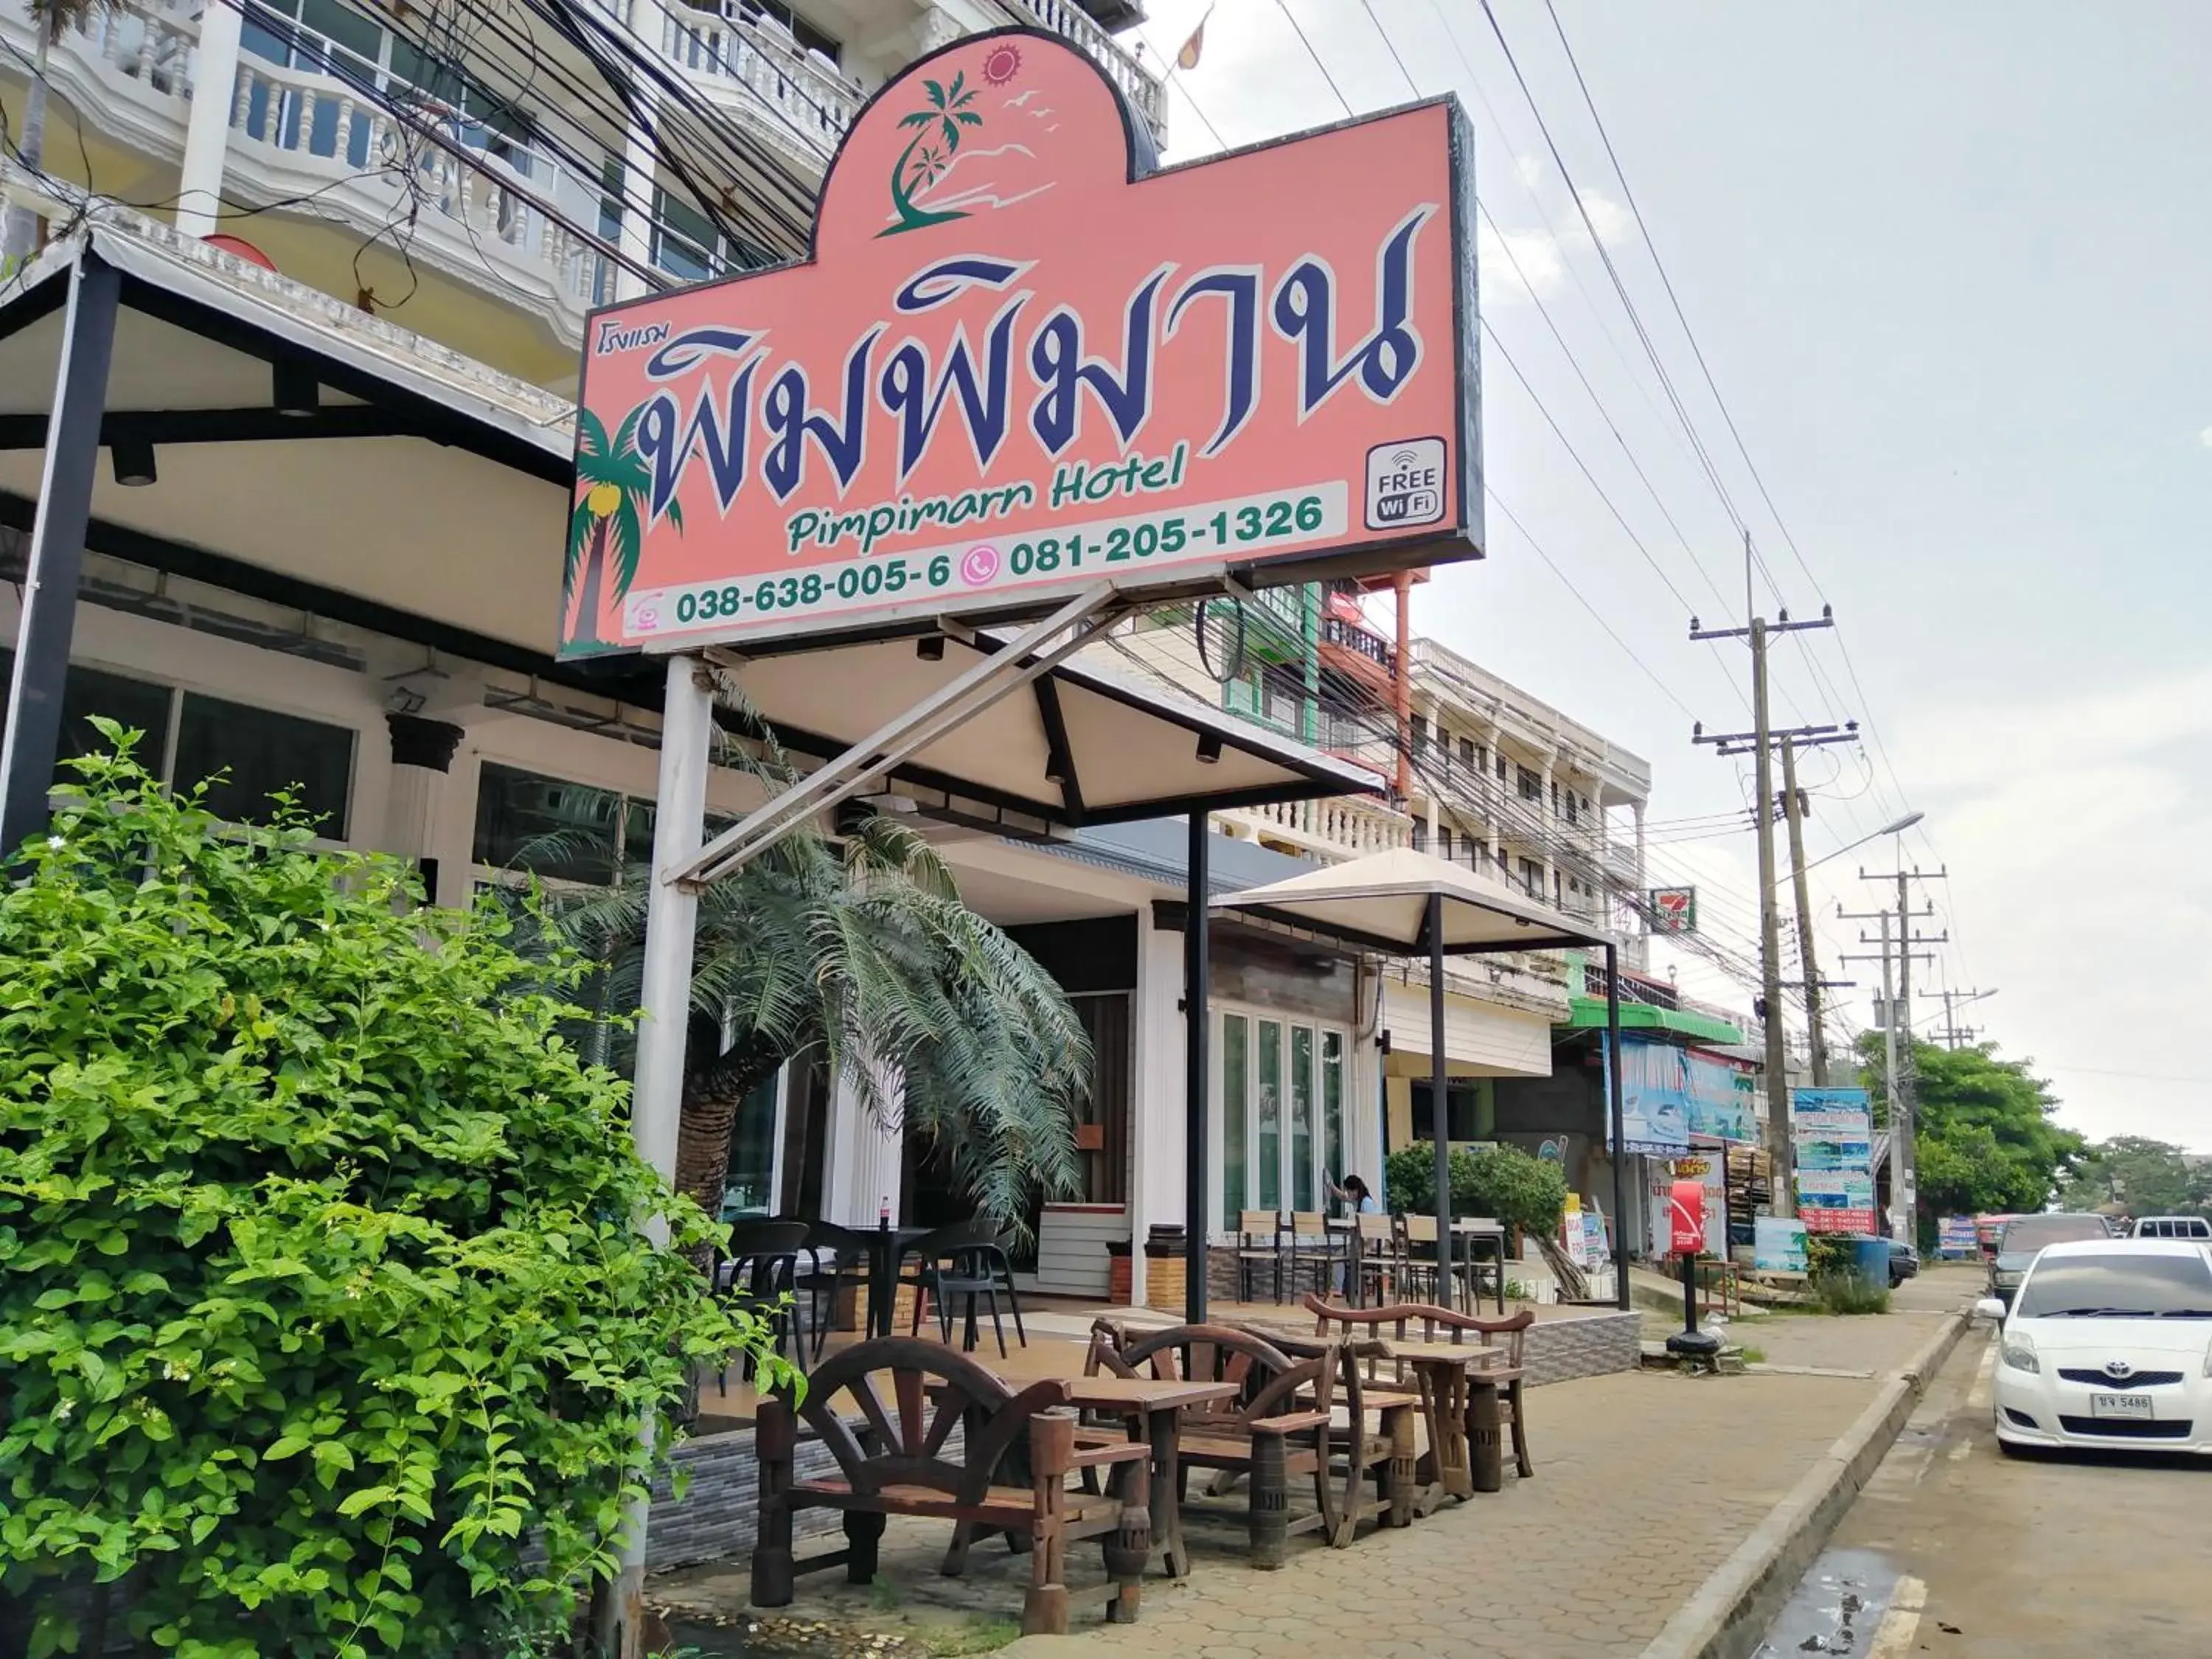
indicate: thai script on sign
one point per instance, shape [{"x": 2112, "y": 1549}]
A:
[{"x": 751, "y": 416}]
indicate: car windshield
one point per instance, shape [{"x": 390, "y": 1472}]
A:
[
  {"x": 2032, "y": 1232},
  {"x": 2119, "y": 1286}
]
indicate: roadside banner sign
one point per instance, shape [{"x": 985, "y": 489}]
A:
[
  {"x": 1686, "y": 1210},
  {"x": 1023, "y": 359},
  {"x": 1955, "y": 1237},
  {"x": 1832, "y": 1130},
  {"x": 1777, "y": 1246}
]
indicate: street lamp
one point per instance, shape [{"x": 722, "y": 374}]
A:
[{"x": 1897, "y": 829}]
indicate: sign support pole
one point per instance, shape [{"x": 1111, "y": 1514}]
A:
[
  {"x": 687, "y": 724},
  {"x": 1198, "y": 1069},
  {"x": 1619, "y": 1114}
]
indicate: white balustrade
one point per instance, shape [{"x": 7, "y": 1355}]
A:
[{"x": 1137, "y": 82}]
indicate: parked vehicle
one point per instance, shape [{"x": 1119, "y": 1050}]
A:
[
  {"x": 2108, "y": 1343},
  {"x": 2024, "y": 1235},
  {"x": 1988, "y": 1229},
  {"x": 2173, "y": 1227},
  {"x": 1904, "y": 1262}
]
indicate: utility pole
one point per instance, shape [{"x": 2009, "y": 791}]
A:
[
  {"x": 1793, "y": 806},
  {"x": 1760, "y": 743},
  {"x": 1903, "y": 1118},
  {"x": 1894, "y": 1016},
  {"x": 1952, "y": 1033}
]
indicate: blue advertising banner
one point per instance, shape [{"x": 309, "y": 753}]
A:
[
  {"x": 1833, "y": 1132},
  {"x": 1669, "y": 1094}
]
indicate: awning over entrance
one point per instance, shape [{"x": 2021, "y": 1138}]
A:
[
  {"x": 280, "y": 443},
  {"x": 1588, "y": 1013}
]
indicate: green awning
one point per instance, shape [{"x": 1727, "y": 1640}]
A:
[{"x": 1588, "y": 1013}]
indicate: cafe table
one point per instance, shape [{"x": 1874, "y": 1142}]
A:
[
  {"x": 1458, "y": 1403},
  {"x": 1467, "y": 1233},
  {"x": 1150, "y": 1410}
]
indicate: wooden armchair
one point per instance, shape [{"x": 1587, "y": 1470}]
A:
[
  {"x": 909, "y": 1395},
  {"x": 1276, "y": 1432},
  {"x": 1420, "y": 1321}
]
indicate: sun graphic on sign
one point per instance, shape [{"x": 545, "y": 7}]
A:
[{"x": 1003, "y": 64}]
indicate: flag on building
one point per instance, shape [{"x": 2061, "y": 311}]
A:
[{"x": 1187, "y": 58}]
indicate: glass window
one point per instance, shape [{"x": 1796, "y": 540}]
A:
[
  {"x": 261, "y": 753},
  {"x": 1420, "y": 729},
  {"x": 137, "y": 705},
  {"x": 1268, "y": 1141},
  {"x": 748, "y": 1190},
  {"x": 1302, "y": 1117},
  {"x": 1236, "y": 1102},
  {"x": 2117, "y": 1286},
  {"x": 1332, "y": 1104},
  {"x": 561, "y": 830},
  {"x": 1467, "y": 751},
  {"x": 1467, "y": 1112}
]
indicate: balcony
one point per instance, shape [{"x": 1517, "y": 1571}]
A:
[{"x": 300, "y": 134}]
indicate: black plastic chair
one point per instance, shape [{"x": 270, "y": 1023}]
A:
[
  {"x": 967, "y": 1260},
  {"x": 757, "y": 1272},
  {"x": 836, "y": 1257}
]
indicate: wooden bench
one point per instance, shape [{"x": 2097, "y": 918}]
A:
[
  {"x": 1494, "y": 1402},
  {"x": 1017, "y": 1449},
  {"x": 1281, "y": 1428}
]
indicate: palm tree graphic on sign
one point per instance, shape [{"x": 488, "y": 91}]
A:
[
  {"x": 613, "y": 488},
  {"x": 937, "y": 130}
]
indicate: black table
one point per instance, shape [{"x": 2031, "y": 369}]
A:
[{"x": 887, "y": 1244}]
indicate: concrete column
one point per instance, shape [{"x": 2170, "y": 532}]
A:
[
  {"x": 207, "y": 129},
  {"x": 862, "y": 1159},
  {"x": 421, "y": 756},
  {"x": 1544, "y": 809},
  {"x": 1156, "y": 1119},
  {"x": 1603, "y": 898}
]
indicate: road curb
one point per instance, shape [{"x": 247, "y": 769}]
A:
[{"x": 1725, "y": 1618}]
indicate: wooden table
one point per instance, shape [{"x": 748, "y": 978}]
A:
[
  {"x": 1151, "y": 1409},
  {"x": 1461, "y": 1409}
]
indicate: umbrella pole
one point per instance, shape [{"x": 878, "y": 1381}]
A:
[
  {"x": 1439, "y": 1117},
  {"x": 1620, "y": 1128}
]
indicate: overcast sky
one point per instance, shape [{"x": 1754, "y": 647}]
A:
[{"x": 1948, "y": 266}]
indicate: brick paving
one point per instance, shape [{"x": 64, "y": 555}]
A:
[{"x": 1645, "y": 1482}]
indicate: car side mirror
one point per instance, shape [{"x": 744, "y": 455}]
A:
[{"x": 1990, "y": 1307}]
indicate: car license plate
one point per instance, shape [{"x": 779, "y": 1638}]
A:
[{"x": 2119, "y": 1404}]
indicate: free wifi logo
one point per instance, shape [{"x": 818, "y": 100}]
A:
[{"x": 1405, "y": 484}]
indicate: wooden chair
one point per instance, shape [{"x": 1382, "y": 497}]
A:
[
  {"x": 1425, "y": 1269},
  {"x": 1375, "y": 1255},
  {"x": 909, "y": 1395},
  {"x": 1277, "y": 1430},
  {"x": 1433, "y": 1324},
  {"x": 1264, "y": 1224},
  {"x": 1313, "y": 1248}
]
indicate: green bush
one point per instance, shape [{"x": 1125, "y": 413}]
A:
[
  {"x": 1516, "y": 1188},
  {"x": 324, "y": 1320},
  {"x": 1832, "y": 1275}
]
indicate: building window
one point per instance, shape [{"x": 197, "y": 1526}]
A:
[
  {"x": 1467, "y": 753},
  {"x": 1532, "y": 786},
  {"x": 557, "y": 830},
  {"x": 1444, "y": 741},
  {"x": 261, "y": 754},
  {"x": 1574, "y": 808},
  {"x": 1501, "y": 769},
  {"x": 1470, "y": 1111},
  {"x": 188, "y": 737},
  {"x": 1532, "y": 878},
  {"x": 1419, "y": 726},
  {"x": 1444, "y": 844},
  {"x": 1281, "y": 1133},
  {"x": 776, "y": 14}
]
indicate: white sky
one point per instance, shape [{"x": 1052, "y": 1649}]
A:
[{"x": 1948, "y": 266}]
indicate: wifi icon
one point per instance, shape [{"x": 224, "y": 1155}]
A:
[{"x": 1405, "y": 484}]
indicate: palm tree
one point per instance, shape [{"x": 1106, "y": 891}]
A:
[
  {"x": 54, "y": 18},
  {"x": 948, "y": 112},
  {"x": 614, "y": 487},
  {"x": 860, "y": 952}
]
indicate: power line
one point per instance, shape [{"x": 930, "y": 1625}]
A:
[{"x": 1283, "y": 6}]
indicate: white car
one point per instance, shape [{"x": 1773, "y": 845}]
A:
[
  {"x": 2108, "y": 1345},
  {"x": 2173, "y": 1227}
]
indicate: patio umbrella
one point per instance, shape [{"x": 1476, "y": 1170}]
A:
[{"x": 1404, "y": 903}]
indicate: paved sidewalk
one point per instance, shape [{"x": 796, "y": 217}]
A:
[{"x": 1646, "y": 1484}]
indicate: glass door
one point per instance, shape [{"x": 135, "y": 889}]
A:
[{"x": 1282, "y": 1114}]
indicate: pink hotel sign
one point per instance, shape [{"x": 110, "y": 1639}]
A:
[{"x": 1021, "y": 361}]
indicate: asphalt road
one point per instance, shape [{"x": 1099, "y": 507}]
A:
[{"x": 1955, "y": 1550}]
